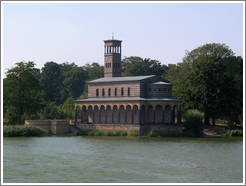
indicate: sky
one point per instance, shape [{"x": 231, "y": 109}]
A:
[{"x": 74, "y": 32}]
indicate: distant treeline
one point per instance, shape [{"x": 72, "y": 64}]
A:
[{"x": 209, "y": 79}]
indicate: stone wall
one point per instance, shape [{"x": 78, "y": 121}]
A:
[{"x": 52, "y": 126}]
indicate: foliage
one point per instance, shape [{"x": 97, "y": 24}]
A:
[
  {"x": 51, "y": 80},
  {"x": 236, "y": 132},
  {"x": 153, "y": 134},
  {"x": 21, "y": 91},
  {"x": 133, "y": 133},
  {"x": 209, "y": 79},
  {"x": 84, "y": 132},
  {"x": 68, "y": 108},
  {"x": 136, "y": 66},
  {"x": 22, "y": 130},
  {"x": 193, "y": 125}
]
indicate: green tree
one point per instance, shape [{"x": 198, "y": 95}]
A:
[
  {"x": 136, "y": 66},
  {"x": 51, "y": 81},
  {"x": 74, "y": 81},
  {"x": 22, "y": 90},
  {"x": 205, "y": 81},
  {"x": 68, "y": 108}
]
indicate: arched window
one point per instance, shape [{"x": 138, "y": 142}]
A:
[
  {"x": 109, "y": 92},
  {"x": 122, "y": 91},
  {"x": 129, "y": 91},
  {"x": 97, "y": 92},
  {"x": 103, "y": 92},
  {"x": 115, "y": 91}
]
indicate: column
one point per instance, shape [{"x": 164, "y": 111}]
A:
[
  {"x": 154, "y": 114},
  {"x": 132, "y": 116},
  {"x": 119, "y": 116},
  {"x": 139, "y": 116},
  {"x": 100, "y": 115},
  {"x": 81, "y": 115},
  {"x": 146, "y": 116},
  {"x": 106, "y": 117},
  {"x": 125, "y": 116},
  {"x": 112, "y": 111},
  {"x": 163, "y": 115}
]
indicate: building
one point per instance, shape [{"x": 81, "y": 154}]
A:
[{"x": 140, "y": 103}]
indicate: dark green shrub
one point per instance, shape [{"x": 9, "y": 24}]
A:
[
  {"x": 99, "y": 132},
  {"x": 83, "y": 132},
  {"x": 22, "y": 130},
  {"x": 153, "y": 134},
  {"x": 194, "y": 123},
  {"x": 133, "y": 133},
  {"x": 237, "y": 132},
  {"x": 120, "y": 133}
]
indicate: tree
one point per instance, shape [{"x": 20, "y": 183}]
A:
[
  {"x": 206, "y": 81},
  {"x": 68, "y": 107},
  {"x": 74, "y": 81},
  {"x": 51, "y": 81},
  {"x": 22, "y": 90},
  {"x": 136, "y": 66}
]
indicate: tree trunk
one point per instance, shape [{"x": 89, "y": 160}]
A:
[
  {"x": 213, "y": 120},
  {"x": 206, "y": 119},
  {"x": 19, "y": 117}
]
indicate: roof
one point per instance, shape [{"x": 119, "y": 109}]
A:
[
  {"x": 117, "y": 79},
  {"x": 160, "y": 83},
  {"x": 118, "y": 99}
]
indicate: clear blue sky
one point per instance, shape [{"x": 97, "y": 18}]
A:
[{"x": 74, "y": 32}]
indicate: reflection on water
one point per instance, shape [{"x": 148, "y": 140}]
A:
[{"x": 122, "y": 160}]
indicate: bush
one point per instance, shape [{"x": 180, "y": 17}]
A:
[
  {"x": 153, "y": 134},
  {"x": 194, "y": 123},
  {"x": 99, "y": 132},
  {"x": 236, "y": 132},
  {"x": 133, "y": 133},
  {"x": 120, "y": 133},
  {"x": 22, "y": 130},
  {"x": 83, "y": 132}
]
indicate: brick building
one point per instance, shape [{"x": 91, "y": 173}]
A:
[{"x": 126, "y": 101}]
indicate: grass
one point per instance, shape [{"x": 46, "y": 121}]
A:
[{"x": 22, "y": 130}]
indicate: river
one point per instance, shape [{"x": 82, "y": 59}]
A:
[{"x": 76, "y": 159}]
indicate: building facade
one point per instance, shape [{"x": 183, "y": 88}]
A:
[{"x": 137, "y": 100}]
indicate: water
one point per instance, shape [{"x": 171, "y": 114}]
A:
[{"x": 122, "y": 160}]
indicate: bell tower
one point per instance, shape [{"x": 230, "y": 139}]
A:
[{"x": 112, "y": 58}]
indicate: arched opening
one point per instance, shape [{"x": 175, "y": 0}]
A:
[
  {"x": 103, "y": 92},
  {"x": 103, "y": 114},
  {"x": 158, "y": 114},
  {"x": 175, "y": 114},
  {"x": 143, "y": 114},
  {"x": 115, "y": 114},
  {"x": 109, "y": 114},
  {"x": 150, "y": 114},
  {"x": 135, "y": 114},
  {"x": 84, "y": 115},
  {"x": 128, "y": 114},
  {"x": 129, "y": 91},
  {"x": 90, "y": 114},
  {"x": 168, "y": 114},
  {"x": 96, "y": 115},
  {"x": 122, "y": 114},
  {"x": 115, "y": 91}
]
